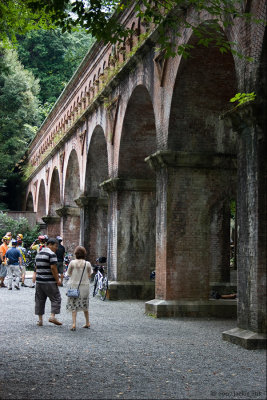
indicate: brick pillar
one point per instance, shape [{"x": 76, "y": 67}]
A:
[
  {"x": 190, "y": 186},
  {"x": 94, "y": 232},
  {"x": 131, "y": 253},
  {"x": 248, "y": 121},
  {"x": 71, "y": 226},
  {"x": 52, "y": 225}
]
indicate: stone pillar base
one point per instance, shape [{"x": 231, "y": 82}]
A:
[
  {"x": 185, "y": 308},
  {"x": 248, "y": 339},
  {"x": 131, "y": 290}
]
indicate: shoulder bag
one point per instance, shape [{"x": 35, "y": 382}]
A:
[{"x": 75, "y": 293}]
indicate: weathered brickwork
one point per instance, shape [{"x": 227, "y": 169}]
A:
[{"x": 142, "y": 165}]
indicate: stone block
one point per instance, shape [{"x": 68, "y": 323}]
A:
[
  {"x": 248, "y": 339},
  {"x": 131, "y": 290},
  {"x": 209, "y": 308}
]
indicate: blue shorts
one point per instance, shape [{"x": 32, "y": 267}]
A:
[{"x": 3, "y": 271}]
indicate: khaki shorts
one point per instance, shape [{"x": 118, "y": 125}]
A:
[{"x": 23, "y": 270}]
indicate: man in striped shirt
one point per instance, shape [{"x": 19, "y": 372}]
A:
[{"x": 47, "y": 282}]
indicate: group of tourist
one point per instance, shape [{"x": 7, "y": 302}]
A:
[
  {"x": 47, "y": 275},
  {"x": 12, "y": 260}
]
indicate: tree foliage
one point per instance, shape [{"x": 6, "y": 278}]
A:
[
  {"x": 8, "y": 224},
  {"x": 100, "y": 19},
  {"x": 17, "y": 17},
  {"x": 18, "y": 111},
  {"x": 52, "y": 56}
]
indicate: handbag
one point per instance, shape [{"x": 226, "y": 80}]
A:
[{"x": 75, "y": 293}]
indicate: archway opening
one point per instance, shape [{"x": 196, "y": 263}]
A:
[
  {"x": 96, "y": 207},
  {"x": 41, "y": 207},
  {"x": 138, "y": 139},
  {"x": 53, "y": 220},
  {"x": 135, "y": 197},
  {"x": 54, "y": 196},
  {"x": 71, "y": 212},
  {"x": 72, "y": 180},
  {"x": 261, "y": 208},
  {"x": 203, "y": 182},
  {"x": 29, "y": 203}
]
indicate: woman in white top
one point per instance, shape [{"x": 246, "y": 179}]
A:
[{"x": 75, "y": 271}]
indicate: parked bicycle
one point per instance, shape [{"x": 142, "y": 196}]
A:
[
  {"x": 100, "y": 279},
  {"x": 30, "y": 260},
  {"x": 67, "y": 259}
]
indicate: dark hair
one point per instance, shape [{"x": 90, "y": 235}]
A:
[
  {"x": 80, "y": 252},
  {"x": 52, "y": 241},
  {"x": 101, "y": 260}
]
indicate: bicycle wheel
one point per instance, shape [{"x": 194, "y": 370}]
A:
[
  {"x": 95, "y": 286},
  {"x": 103, "y": 291}
]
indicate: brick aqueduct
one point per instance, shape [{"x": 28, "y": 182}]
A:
[{"x": 139, "y": 159}]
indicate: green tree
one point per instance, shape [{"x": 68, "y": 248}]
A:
[
  {"x": 52, "y": 56},
  {"x": 99, "y": 18},
  {"x": 17, "y": 17},
  {"x": 18, "y": 112},
  {"x": 8, "y": 224}
]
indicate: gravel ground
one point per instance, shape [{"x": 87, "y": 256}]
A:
[{"x": 125, "y": 355}]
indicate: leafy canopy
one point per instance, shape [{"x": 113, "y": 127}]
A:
[{"x": 101, "y": 19}]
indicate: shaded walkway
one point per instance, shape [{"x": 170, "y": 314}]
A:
[{"x": 125, "y": 354}]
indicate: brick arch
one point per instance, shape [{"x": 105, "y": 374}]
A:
[
  {"x": 29, "y": 202},
  {"x": 204, "y": 85},
  {"x": 135, "y": 240},
  {"x": 72, "y": 179},
  {"x": 97, "y": 162},
  {"x": 71, "y": 213},
  {"x": 54, "y": 203},
  {"x": 199, "y": 200},
  {"x": 41, "y": 204},
  {"x": 262, "y": 75},
  {"x": 95, "y": 212},
  {"x": 138, "y": 137},
  {"x": 54, "y": 193},
  {"x": 261, "y": 196}
]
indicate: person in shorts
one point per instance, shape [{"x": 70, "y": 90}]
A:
[
  {"x": 3, "y": 269},
  {"x": 47, "y": 282}
]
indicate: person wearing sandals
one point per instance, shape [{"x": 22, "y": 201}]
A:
[
  {"x": 79, "y": 271},
  {"x": 47, "y": 282}
]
